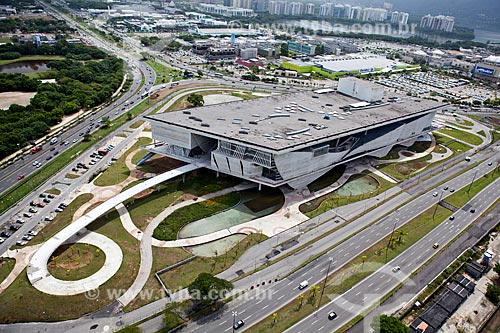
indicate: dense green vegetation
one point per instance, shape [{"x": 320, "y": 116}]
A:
[
  {"x": 78, "y": 4},
  {"x": 79, "y": 85},
  {"x": 14, "y": 25},
  {"x": 71, "y": 51}
]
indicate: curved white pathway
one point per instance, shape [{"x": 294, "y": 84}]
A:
[{"x": 37, "y": 271}]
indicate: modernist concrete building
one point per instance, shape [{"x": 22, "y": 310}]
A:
[{"x": 289, "y": 139}]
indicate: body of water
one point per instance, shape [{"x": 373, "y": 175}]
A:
[
  {"x": 25, "y": 67},
  {"x": 484, "y": 36}
]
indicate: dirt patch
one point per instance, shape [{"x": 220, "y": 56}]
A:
[
  {"x": 68, "y": 258},
  {"x": 407, "y": 168},
  {"x": 144, "y": 193},
  {"x": 15, "y": 97},
  {"x": 406, "y": 153},
  {"x": 160, "y": 164}
]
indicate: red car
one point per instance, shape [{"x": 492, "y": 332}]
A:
[
  {"x": 21, "y": 176},
  {"x": 40, "y": 204}
]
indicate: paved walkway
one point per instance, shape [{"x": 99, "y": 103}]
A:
[
  {"x": 37, "y": 269},
  {"x": 22, "y": 257},
  {"x": 50, "y": 285}
]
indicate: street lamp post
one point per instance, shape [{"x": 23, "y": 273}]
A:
[
  {"x": 234, "y": 313},
  {"x": 324, "y": 283}
]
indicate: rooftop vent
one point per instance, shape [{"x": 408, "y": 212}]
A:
[
  {"x": 302, "y": 119},
  {"x": 223, "y": 119},
  {"x": 205, "y": 125},
  {"x": 186, "y": 112},
  {"x": 278, "y": 115},
  {"x": 255, "y": 115},
  {"x": 266, "y": 135},
  {"x": 253, "y": 122},
  {"x": 243, "y": 132},
  {"x": 293, "y": 133}
]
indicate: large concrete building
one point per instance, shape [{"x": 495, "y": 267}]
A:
[
  {"x": 289, "y": 139},
  {"x": 488, "y": 70}
]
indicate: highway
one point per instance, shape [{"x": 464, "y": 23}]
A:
[{"x": 370, "y": 291}]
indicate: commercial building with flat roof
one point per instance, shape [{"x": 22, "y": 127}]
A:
[{"x": 289, "y": 139}]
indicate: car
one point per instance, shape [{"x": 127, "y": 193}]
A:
[
  {"x": 473, "y": 210},
  {"x": 66, "y": 143},
  {"x": 396, "y": 269},
  {"x": 435, "y": 245},
  {"x": 92, "y": 155},
  {"x": 238, "y": 324},
  {"x": 74, "y": 140},
  {"x": 52, "y": 148},
  {"x": 332, "y": 315},
  {"x": 85, "y": 167},
  {"x": 58, "y": 210},
  {"x": 5, "y": 234},
  {"x": 435, "y": 194},
  {"x": 445, "y": 188},
  {"x": 81, "y": 134},
  {"x": 35, "y": 163},
  {"x": 78, "y": 166},
  {"x": 303, "y": 284},
  {"x": 27, "y": 237},
  {"x": 2, "y": 240},
  {"x": 20, "y": 221},
  {"x": 42, "y": 195},
  {"x": 28, "y": 215},
  {"x": 49, "y": 218},
  {"x": 56, "y": 152},
  {"x": 490, "y": 163},
  {"x": 32, "y": 233},
  {"x": 21, "y": 243},
  {"x": 32, "y": 210},
  {"x": 40, "y": 204},
  {"x": 46, "y": 200},
  {"x": 91, "y": 162},
  {"x": 451, "y": 218},
  {"x": 21, "y": 176},
  {"x": 33, "y": 204},
  {"x": 74, "y": 170},
  {"x": 14, "y": 227},
  {"x": 63, "y": 205},
  {"x": 51, "y": 196}
]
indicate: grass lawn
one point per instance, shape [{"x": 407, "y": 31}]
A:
[
  {"x": 450, "y": 143},
  {"x": 54, "y": 191},
  {"x": 23, "y": 303},
  {"x": 76, "y": 261},
  {"x": 481, "y": 132},
  {"x": 71, "y": 176},
  {"x": 137, "y": 124},
  {"x": 182, "y": 276},
  {"x": 164, "y": 74},
  {"x": 61, "y": 220},
  {"x": 439, "y": 149},
  {"x": 461, "y": 197},
  {"x": 401, "y": 171},
  {"x": 331, "y": 200},
  {"x": 143, "y": 210},
  {"x": 32, "y": 58},
  {"x": 162, "y": 257},
  {"x": 458, "y": 125},
  {"x": 355, "y": 271},
  {"x": 170, "y": 226},
  {"x": 462, "y": 136},
  {"x": 118, "y": 171},
  {"x": 327, "y": 179},
  {"x": 6, "y": 266},
  {"x": 496, "y": 136},
  {"x": 244, "y": 95}
]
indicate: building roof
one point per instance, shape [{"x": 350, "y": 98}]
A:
[
  {"x": 466, "y": 283},
  {"x": 434, "y": 315},
  {"x": 291, "y": 121},
  {"x": 459, "y": 290},
  {"x": 449, "y": 300},
  {"x": 350, "y": 62}
]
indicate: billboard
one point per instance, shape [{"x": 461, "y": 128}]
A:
[{"x": 484, "y": 70}]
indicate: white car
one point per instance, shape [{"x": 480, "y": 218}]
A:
[{"x": 396, "y": 269}]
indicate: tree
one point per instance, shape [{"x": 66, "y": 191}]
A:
[
  {"x": 87, "y": 137},
  {"x": 387, "y": 324},
  {"x": 207, "y": 289},
  {"x": 497, "y": 268},
  {"x": 195, "y": 99},
  {"x": 493, "y": 293},
  {"x": 284, "y": 49}
]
